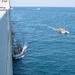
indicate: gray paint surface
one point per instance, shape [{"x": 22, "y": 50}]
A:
[{"x": 5, "y": 46}]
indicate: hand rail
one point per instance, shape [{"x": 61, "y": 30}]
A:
[
  {"x": 2, "y": 9},
  {"x": 3, "y": 0}
]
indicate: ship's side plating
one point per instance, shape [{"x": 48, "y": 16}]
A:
[{"x": 5, "y": 39}]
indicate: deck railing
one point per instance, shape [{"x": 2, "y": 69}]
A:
[
  {"x": 3, "y": 1},
  {"x": 2, "y": 8}
]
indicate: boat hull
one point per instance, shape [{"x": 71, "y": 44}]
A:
[{"x": 21, "y": 55}]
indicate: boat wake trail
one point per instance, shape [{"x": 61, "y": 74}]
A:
[{"x": 52, "y": 28}]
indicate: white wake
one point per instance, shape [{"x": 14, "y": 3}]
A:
[{"x": 52, "y": 28}]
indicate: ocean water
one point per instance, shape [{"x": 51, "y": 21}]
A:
[{"x": 48, "y": 52}]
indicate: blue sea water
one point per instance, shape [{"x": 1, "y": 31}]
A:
[{"x": 48, "y": 52}]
